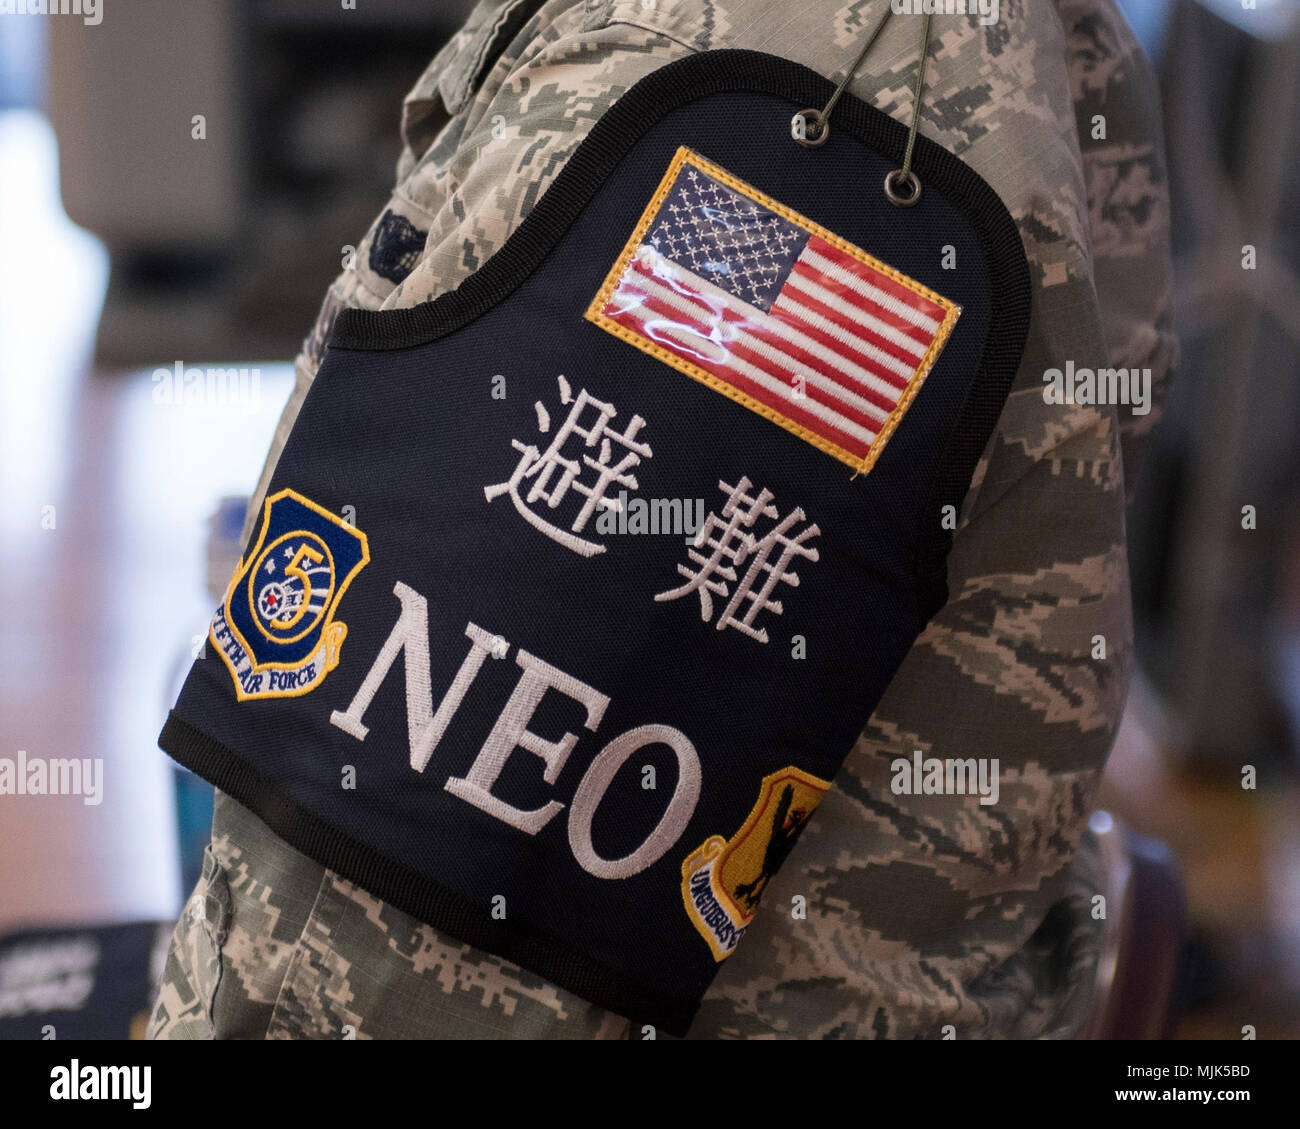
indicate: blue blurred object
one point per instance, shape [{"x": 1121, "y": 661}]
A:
[
  {"x": 194, "y": 800},
  {"x": 194, "y": 796},
  {"x": 22, "y": 62},
  {"x": 225, "y": 530},
  {"x": 91, "y": 983},
  {"x": 1148, "y": 19}
]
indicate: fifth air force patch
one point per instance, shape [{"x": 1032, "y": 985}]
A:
[
  {"x": 652, "y": 508},
  {"x": 276, "y": 629},
  {"x": 761, "y": 304}
]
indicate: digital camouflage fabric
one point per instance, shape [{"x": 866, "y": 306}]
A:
[{"x": 922, "y": 911}]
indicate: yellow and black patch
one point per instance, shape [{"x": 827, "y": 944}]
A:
[{"x": 723, "y": 880}]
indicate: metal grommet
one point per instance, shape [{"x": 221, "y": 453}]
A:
[
  {"x": 810, "y": 128},
  {"x": 902, "y": 199}
]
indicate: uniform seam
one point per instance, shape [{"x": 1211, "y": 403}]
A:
[
  {"x": 625, "y": 22},
  {"x": 279, "y": 1009}
]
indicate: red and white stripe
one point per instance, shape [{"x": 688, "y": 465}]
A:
[{"x": 855, "y": 336}]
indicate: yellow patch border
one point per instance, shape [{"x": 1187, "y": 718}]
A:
[
  {"x": 715, "y": 848},
  {"x": 327, "y": 621},
  {"x": 593, "y": 314}
]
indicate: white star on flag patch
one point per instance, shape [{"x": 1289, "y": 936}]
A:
[{"x": 761, "y": 304}]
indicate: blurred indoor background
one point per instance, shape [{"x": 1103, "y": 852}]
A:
[{"x": 125, "y": 248}]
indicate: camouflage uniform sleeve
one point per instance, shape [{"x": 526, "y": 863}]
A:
[
  {"x": 935, "y": 916},
  {"x": 921, "y": 911},
  {"x": 1118, "y": 107}
]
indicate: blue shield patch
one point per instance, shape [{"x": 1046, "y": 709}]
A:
[{"x": 275, "y": 629}]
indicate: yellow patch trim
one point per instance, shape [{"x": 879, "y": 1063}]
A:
[
  {"x": 714, "y": 852},
  {"x": 685, "y": 156}
]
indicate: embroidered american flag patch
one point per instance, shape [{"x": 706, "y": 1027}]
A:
[{"x": 761, "y": 304}]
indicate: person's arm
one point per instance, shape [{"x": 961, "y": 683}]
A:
[
  {"x": 924, "y": 911},
  {"x": 921, "y": 911}
]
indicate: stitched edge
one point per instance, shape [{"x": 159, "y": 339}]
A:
[
  {"x": 395, "y": 882},
  {"x": 281, "y": 1021},
  {"x": 512, "y": 20},
  {"x": 728, "y": 843},
  {"x": 861, "y": 464}
]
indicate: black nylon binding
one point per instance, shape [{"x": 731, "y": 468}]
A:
[{"x": 396, "y": 883}]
